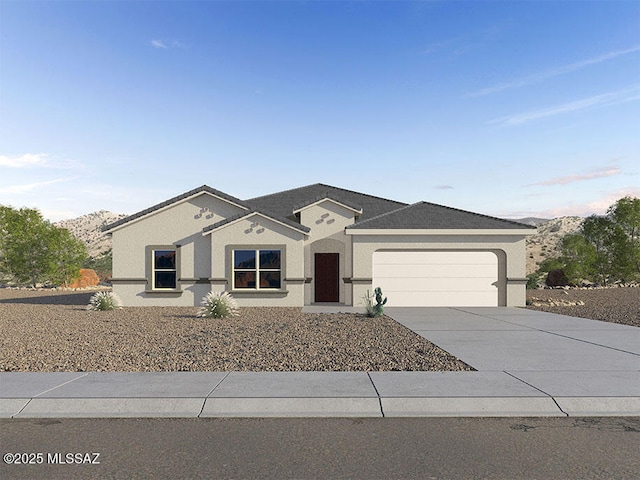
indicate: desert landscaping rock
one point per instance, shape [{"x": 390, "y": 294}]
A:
[
  {"x": 616, "y": 305},
  {"x": 51, "y": 331}
]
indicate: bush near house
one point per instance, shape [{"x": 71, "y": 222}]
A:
[
  {"x": 218, "y": 305},
  {"x": 102, "y": 265},
  {"x": 104, "y": 301},
  {"x": 87, "y": 278}
]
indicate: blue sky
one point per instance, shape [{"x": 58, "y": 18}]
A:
[{"x": 511, "y": 109}]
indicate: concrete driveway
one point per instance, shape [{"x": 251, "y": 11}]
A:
[{"x": 579, "y": 362}]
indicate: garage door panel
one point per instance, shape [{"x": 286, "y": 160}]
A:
[
  {"x": 434, "y": 258},
  {"x": 438, "y": 299},
  {"x": 437, "y": 278},
  {"x": 437, "y": 284},
  {"x": 435, "y": 271}
]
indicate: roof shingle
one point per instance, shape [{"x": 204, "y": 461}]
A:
[
  {"x": 284, "y": 203},
  {"x": 424, "y": 215},
  {"x": 166, "y": 203}
]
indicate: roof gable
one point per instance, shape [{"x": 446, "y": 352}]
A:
[
  {"x": 236, "y": 218},
  {"x": 284, "y": 203},
  {"x": 319, "y": 200},
  {"x": 429, "y": 216},
  {"x": 180, "y": 198}
]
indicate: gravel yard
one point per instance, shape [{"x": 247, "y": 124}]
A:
[
  {"x": 616, "y": 305},
  {"x": 50, "y": 331}
]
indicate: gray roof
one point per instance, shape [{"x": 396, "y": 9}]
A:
[
  {"x": 323, "y": 197},
  {"x": 424, "y": 215},
  {"x": 203, "y": 188},
  {"x": 284, "y": 203},
  {"x": 277, "y": 218},
  {"x": 377, "y": 212}
]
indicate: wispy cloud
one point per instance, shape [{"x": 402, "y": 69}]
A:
[
  {"x": 596, "y": 207},
  {"x": 26, "y": 160},
  {"x": 163, "y": 44},
  {"x": 581, "y": 177},
  {"x": 37, "y": 160},
  {"x": 603, "y": 100},
  {"x": 541, "y": 76},
  {"x": 158, "y": 44},
  {"x": 443, "y": 187},
  {"x": 26, "y": 188}
]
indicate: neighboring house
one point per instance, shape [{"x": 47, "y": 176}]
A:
[{"x": 316, "y": 244}]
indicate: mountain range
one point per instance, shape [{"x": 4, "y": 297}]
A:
[{"x": 542, "y": 244}]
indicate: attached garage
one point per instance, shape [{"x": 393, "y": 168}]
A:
[{"x": 437, "y": 278}]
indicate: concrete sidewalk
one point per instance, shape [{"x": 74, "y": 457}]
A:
[{"x": 529, "y": 364}]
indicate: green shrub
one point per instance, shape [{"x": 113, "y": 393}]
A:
[
  {"x": 533, "y": 280},
  {"x": 104, "y": 301},
  {"x": 218, "y": 305}
]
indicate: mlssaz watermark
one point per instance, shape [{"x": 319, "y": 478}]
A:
[{"x": 57, "y": 458}]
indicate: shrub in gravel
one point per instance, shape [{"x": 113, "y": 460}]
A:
[
  {"x": 104, "y": 301},
  {"x": 377, "y": 309},
  {"x": 218, "y": 305}
]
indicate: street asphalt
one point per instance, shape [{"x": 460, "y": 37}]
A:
[{"x": 529, "y": 364}]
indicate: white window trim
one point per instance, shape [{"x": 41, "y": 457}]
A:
[{"x": 257, "y": 269}]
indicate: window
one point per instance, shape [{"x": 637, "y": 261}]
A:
[
  {"x": 164, "y": 270},
  {"x": 256, "y": 269}
]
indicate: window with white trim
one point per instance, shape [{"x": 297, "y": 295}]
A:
[
  {"x": 257, "y": 269},
  {"x": 164, "y": 269}
]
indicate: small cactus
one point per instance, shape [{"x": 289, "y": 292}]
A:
[
  {"x": 377, "y": 309},
  {"x": 379, "y": 306}
]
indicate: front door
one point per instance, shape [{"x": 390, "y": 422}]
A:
[{"x": 327, "y": 277}]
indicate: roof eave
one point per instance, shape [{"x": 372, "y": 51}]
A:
[
  {"x": 109, "y": 229},
  {"x": 438, "y": 231},
  {"x": 209, "y": 230},
  {"x": 354, "y": 209}
]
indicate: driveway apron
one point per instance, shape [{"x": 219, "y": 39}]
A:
[{"x": 587, "y": 366}]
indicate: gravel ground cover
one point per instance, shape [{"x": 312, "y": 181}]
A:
[
  {"x": 616, "y": 305},
  {"x": 49, "y": 331}
]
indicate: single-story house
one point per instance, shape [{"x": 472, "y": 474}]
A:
[{"x": 314, "y": 245}]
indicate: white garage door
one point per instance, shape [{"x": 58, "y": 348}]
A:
[{"x": 437, "y": 279}]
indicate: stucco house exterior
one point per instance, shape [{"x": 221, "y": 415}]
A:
[{"x": 313, "y": 245}]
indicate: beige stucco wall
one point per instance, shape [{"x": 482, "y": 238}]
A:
[
  {"x": 258, "y": 232},
  {"x": 510, "y": 250},
  {"x": 180, "y": 224}
]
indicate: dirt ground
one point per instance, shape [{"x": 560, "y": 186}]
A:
[
  {"x": 46, "y": 331},
  {"x": 616, "y": 305}
]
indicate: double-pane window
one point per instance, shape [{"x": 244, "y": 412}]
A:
[
  {"x": 256, "y": 269},
  {"x": 164, "y": 269}
]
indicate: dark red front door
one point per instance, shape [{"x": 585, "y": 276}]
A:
[{"x": 327, "y": 277}]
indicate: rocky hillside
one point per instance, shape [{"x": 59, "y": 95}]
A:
[
  {"x": 88, "y": 229},
  {"x": 546, "y": 241}
]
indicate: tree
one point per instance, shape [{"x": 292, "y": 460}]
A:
[
  {"x": 625, "y": 213},
  {"x": 68, "y": 254},
  {"x": 578, "y": 258},
  {"x": 607, "y": 248},
  {"x": 102, "y": 265},
  {"x": 33, "y": 251},
  {"x": 604, "y": 236}
]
